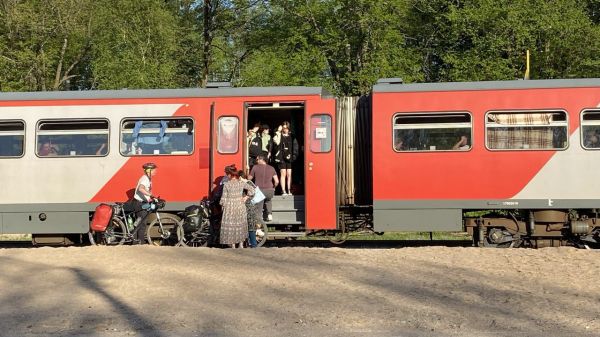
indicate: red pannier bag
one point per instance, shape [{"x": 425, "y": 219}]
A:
[{"x": 101, "y": 218}]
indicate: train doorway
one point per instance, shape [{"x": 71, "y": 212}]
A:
[{"x": 273, "y": 115}]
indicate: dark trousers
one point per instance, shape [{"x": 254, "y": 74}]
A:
[
  {"x": 266, "y": 203},
  {"x": 139, "y": 232},
  {"x": 251, "y": 161}
]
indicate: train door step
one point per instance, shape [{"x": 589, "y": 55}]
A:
[{"x": 287, "y": 210}]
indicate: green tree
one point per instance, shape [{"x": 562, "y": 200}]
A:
[
  {"x": 359, "y": 40},
  {"x": 134, "y": 45},
  {"x": 487, "y": 40},
  {"x": 42, "y": 43},
  {"x": 217, "y": 36}
]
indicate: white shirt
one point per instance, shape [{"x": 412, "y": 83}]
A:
[{"x": 144, "y": 181}]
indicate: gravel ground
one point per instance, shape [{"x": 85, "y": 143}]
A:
[{"x": 169, "y": 291}]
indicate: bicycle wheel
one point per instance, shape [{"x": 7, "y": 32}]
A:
[
  {"x": 169, "y": 235},
  {"x": 198, "y": 238},
  {"x": 114, "y": 234},
  {"x": 262, "y": 231}
]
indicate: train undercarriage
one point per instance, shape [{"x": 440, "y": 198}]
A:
[
  {"x": 536, "y": 228},
  {"x": 503, "y": 228}
]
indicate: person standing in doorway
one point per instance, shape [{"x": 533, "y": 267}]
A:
[
  {"x": 288, "y": 152},
  {"x": 265, "y": 178},
  {"x": 254, "y": 145},
  {"x": 267, "y": 142}
]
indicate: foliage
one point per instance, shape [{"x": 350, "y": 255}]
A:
[
  {"x": 340, "y": 44},
  {"x": 487, "y": 40},
  {"x": 359, "y": 40},
  {"x": 134, "y": 45},
  {"x": 42, "y": 42}
]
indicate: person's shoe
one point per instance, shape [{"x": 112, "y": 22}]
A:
[
  {"x": 284, "y": 194},
  {"x": 270, "y": 217}
]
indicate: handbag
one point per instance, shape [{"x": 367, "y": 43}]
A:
[{"x": 258, "y": 196}]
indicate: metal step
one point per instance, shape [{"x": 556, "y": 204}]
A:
[
  {"x": 288, "y": 216},
  {"x": 288, "y": 203},
  {"x": 278, "y": 207},
  {"x": 283, "y": 223}
]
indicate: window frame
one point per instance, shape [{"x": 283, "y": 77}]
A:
[
  {"x": 239, "y": 135},
  {"x": 24, "y": 138},
  {"x": 512, "y": 111},
  {"x": 581, "y": 125},
  {"x": 143, "y": 118},
  {"x": 430, "y": 113},
  {"x": 330, "y": 133},
  {"x": 37, "y": 126}
]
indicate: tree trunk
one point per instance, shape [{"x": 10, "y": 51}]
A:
[{"x": 207, "y": 34}]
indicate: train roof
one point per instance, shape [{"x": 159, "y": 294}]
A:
[
  {"x": 393, "y": 85},
  {"x": 166, "y": 93}
]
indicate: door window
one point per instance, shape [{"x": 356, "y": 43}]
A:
[
  {"x": 227, "y": 135},
  {"x": 320, "y": 133}
]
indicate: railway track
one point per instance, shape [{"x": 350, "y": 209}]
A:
[
  {"x": 16, "y": 244},
  {"x": 350, "y": 244},
  {"x": 368, "y": 244}
]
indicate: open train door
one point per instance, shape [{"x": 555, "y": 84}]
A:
[
  {"x": 320, "y": 164},
  {"x": 227, "y": 137}
]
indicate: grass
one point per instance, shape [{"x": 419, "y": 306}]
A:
[
  {"x": 401, "y": 236},
  {"x": 15, "y": 237}
]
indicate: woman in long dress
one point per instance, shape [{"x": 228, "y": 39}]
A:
[{"x": 234, "y": 224}]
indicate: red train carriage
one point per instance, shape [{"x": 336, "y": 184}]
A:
[
  {"x": 511, "y": 162},
  {"x": 63, "y": 153},
  {"x": 440, "y": 150}
]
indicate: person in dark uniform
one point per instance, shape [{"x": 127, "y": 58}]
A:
[
  {"x": 288, "y": 152},
  {"x": 254, "y": 146}
]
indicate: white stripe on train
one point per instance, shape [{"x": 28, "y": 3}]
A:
[
  {"x": 570, "y": 174},
  {"x": 66, "y": 180}
]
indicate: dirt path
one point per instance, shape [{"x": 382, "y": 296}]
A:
[{"x": 164, "y": 291}]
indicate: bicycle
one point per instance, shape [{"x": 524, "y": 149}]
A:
[
  {"x": 196, "y": 224},
  {"x": 201, "y": 227},
  {"x": 165, "y": 229}
]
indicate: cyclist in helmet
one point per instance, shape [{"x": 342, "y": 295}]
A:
[{"x": 141, "y": 196}]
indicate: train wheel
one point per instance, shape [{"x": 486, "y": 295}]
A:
[
  {"x": 114, "y": 234},
  {"x": 262, "y": 232},
  {"x": 500, "y": 238},
  {"x": 169, "y": 235}
]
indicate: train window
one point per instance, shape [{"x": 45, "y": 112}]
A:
[
  {"x": 72, "y": 137},
  {"x": 157, "y": 136},
  {"x": 590, "y": 129},
  {"x": 526, "y": 130},
  {"x": 432, "y": 132},
  {"x": 227, "y": 139},
  {"x": 12, "y": 139},
  {"x": 320, "y": 133}
]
